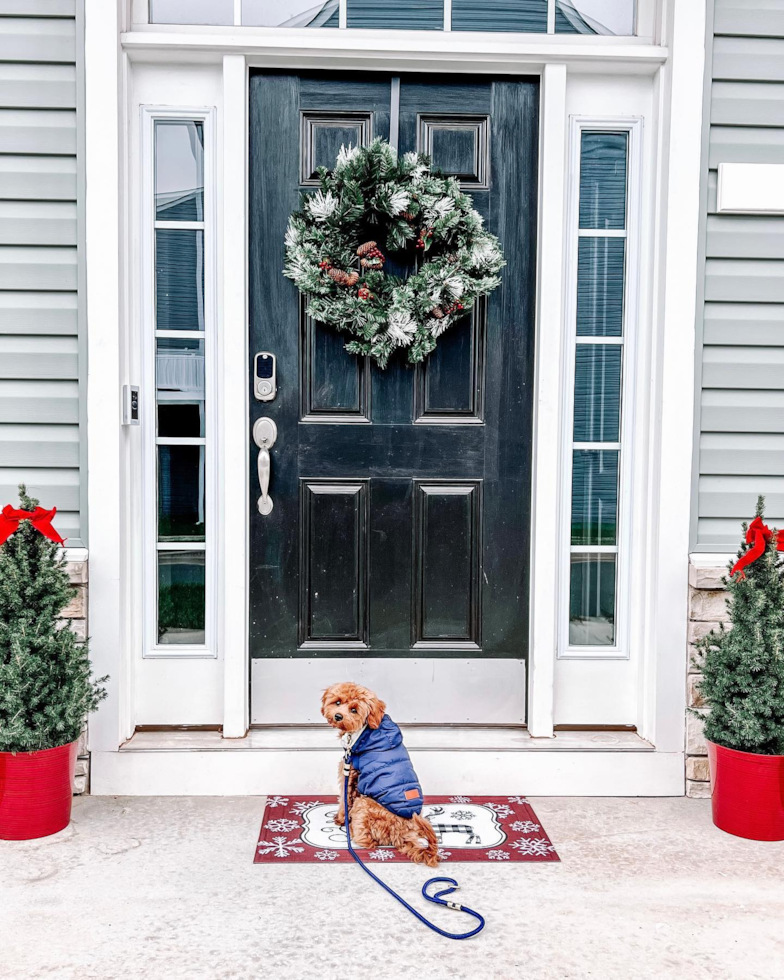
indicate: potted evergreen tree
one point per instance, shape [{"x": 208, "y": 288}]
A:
[
  {"x": 743, "y": 686},
  {"x": 46, "y": 683}
]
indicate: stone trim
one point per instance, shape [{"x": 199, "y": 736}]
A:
[
  {"x": 707, "y": 608},
  {"x": 76, "y": 611}
]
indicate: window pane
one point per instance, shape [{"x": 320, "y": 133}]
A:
[
  {"x": 528, "y": 16},
  {"x": 290, "y": 13},
  {"x": 600, "y": 287},
  {"x": 219, "y": 12},
  {"x": 597, "y": 393},
  {"x": 181, "y": 493},
  {"x": 179, "y": 279},
  {"x": 181, "y": 597},
  {"x": 603, "y": 180},
  {"x": 179, "y": 170},
  {"x": 594, "y": 496},
  {"x": 179, "y": 369},
  {"x": 592, "y": 600},
  {"x": 412, "y": 15},
  {"x": 594, "y": 17}
]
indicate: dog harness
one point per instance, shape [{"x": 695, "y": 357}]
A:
[{"x": 385, "y": 770}]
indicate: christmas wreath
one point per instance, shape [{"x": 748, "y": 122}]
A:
[{"x": 373, "y": 205}]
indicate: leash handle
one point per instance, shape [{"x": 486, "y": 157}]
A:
[{"x": 436, "y": 898}]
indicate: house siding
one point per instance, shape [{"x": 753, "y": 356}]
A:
[
  {"x": 741, "y": 409},
  {"x": 41, "y": 279}
]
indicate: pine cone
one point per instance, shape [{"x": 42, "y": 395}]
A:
[
  {"x": 437, "y": 312},
  {"x": 353, "y": 278},
  {"x": 408, "y": 215},
  {"x": 364, "y": 249},
  {"x": 339, "y": 276}
]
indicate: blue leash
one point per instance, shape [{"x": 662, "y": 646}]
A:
[{"x": 435, "y": 898}]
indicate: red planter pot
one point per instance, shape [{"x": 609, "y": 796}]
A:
[
  {"x": 747, "y": 793},
  {"x": 36, "y": 789}
]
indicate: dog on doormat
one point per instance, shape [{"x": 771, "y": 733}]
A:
[{"x": 384, "y": 795}]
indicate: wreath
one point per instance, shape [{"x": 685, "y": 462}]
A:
[{"x": 374, "y": 205}]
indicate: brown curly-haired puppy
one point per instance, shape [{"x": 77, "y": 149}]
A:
[{"x": 384, "y": 795}]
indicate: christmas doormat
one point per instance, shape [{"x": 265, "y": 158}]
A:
[{"x": 301, "y": 829}]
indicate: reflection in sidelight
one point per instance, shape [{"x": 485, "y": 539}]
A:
[
  {"x": 603, "y": 180},
  {"x": 592, "y": 600},
  {"x": 597, "y": 392},
  {"x": 594, "y": 496},
  {"x": 179, "y": 170},
  {"x": 181, "y": 597},
  {"x": 181, "y": 493},
  {"x": 179, "y": 373},
  {"x": 206, "y": 12},
  {"x": 179, "y": 279},
  {"x": 525, "y": 16},
  {"x": 600, "y": 283},
  {"x": 402, "y": 15}
]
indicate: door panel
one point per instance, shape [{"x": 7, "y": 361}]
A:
[{"x": 401, "y": 516}]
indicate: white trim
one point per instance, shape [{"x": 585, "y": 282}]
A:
[
  {"x": 447, "y": 15},
  {"x": 258, "y": 772},
  {"x": 620, "y": 650},
  {"x": 233, "y": 373},
  {"x": 343, "y": 14},
  {"x": 394, "y": 50},
  {"x": 237, "y": 13},
  {"x": 152, "y": 649},
  {"x": 547, "y": 405},
  {"x": 750, "y": 188},
  {"x": 663, "y": 629}
]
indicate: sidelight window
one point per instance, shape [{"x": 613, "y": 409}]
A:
[
  {"x": 178, "y": 408},
  {"x": 600, "y": 324}
]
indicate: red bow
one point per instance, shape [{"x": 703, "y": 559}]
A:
[
  {"x": 40, "y": 519},
  {"x": 758, "y": 535}
]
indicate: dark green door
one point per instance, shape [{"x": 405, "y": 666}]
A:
[{"x": 401, "y": 518}]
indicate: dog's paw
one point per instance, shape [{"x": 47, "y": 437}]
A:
[{"x": 339, "y": 819}]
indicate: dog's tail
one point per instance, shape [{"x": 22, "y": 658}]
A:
[{"x": 425, "y": 831}]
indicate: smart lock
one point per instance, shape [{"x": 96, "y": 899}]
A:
[{"x": 265, "y": 384}]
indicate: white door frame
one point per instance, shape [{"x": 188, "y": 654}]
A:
[{"x": 661, "y": 612}]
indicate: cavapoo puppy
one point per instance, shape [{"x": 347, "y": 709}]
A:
[{"x": 384, "y": 795}]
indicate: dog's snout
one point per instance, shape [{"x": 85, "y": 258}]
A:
[{"x": 338, "y": 716}]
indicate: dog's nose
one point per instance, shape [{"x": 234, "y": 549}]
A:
[{"x": 338, "y": 717}]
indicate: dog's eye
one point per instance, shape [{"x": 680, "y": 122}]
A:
[
  {"x": 337, "y": 704},
  {"x": 353, "y": 711}
]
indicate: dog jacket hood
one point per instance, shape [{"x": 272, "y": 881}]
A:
[{"x": 385, "y": 770}]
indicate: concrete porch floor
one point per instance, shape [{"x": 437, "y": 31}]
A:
[{"x": 164, "y": 888}]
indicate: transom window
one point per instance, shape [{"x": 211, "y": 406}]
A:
[
  {"x": 598, "y": 17},
  {"x": 600, "y": 324},
  {"x": 179, "y": 421}
]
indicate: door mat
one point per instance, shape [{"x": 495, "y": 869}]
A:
[{"x": 301, "y": 829}]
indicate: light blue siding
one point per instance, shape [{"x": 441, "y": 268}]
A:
[{"x": 41, "y": 373}]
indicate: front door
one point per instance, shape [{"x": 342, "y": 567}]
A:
[{"x": 396, "y": 552}]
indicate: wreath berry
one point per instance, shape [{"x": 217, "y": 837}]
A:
[{"x": 374, "y": 205}]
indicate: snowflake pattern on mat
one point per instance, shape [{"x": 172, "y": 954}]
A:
[
  {"x": 303, "y": 806},
  {"x": 461, "y": 815},
  {"x": 459, "y": 799},
  {"x": 282, "y": 825},
  {"x": 381, "y": 855},
  {"x": 537, "y": 847},
  {"x": 326, "y": 855},
  {"x": 444, "y": 855},
  {"x": 495, "y": 855},
  {"x": 524, "y": 826},
  {"x": 517, "y": 799},
  {"x": 501, "y": 809},
  {"x": 279, "y": 847},
  {"x": 274, "y": 801}
]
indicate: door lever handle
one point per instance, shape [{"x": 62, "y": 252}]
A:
[{"x": 265, "y": 432}]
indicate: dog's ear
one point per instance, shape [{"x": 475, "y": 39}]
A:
[
  {"x": 377, "y": 709},
  {"x": 324, "y": 698}
]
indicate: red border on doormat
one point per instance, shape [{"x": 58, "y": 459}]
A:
[{"x": 300, "y": 829}]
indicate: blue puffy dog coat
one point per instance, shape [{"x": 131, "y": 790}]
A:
[{"x": 385, "y": 771}]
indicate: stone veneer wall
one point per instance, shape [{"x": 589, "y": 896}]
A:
[
  {"x": 77, "y": 613},
  {"x": 707, "y": 608}
]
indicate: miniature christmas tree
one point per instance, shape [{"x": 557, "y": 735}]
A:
[
  {"x": 743, "y": 670},
  {"x": 46, "y": 684}
]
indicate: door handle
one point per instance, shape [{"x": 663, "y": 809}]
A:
[{"x": 265, "y": 432}]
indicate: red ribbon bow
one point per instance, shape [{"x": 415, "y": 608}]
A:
[
  {"x": 41, "y": 520},
  {"x": 758, "y": 535}
]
